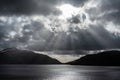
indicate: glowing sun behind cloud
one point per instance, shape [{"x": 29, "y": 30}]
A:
[{"x": 68, "y": 10}]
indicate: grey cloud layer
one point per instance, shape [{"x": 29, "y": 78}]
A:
[{"x": 26, "y": 32}]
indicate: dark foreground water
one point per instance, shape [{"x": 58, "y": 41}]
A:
[{"x": 58, "y": 72}]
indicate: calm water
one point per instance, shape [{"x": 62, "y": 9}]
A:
[{"x": 58, "y": 72}]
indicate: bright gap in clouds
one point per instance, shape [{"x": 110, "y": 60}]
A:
[{"x": 67, "y": 11}]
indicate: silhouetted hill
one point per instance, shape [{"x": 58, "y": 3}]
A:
[
  {"x": 107, "y": 58},
  {"x": 15, "y": 56}
]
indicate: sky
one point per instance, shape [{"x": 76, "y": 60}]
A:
[{"x": 48, "y": 25}]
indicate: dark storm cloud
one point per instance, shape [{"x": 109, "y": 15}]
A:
[{"x": 28, "y": 7}]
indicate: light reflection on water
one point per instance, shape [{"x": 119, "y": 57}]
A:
[
  {"x": 68, "y": 76},
  {"x": 58, "y": 72}
]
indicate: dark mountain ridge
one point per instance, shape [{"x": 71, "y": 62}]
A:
[
  {"x": 106, "y": 58},
  {"x": 16, "y": 56}
]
